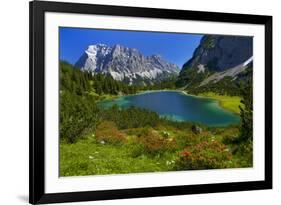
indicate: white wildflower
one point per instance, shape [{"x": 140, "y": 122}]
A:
[{"x": 168, "y": 163}]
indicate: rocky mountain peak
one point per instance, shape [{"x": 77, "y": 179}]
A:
[
  {"x": 124, "y": 63},
  {"x": 219, "y": 53},
  {"x": 216, "y": 58}
]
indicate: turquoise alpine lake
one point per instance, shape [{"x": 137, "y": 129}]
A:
[{"x": 178, "y": 106}]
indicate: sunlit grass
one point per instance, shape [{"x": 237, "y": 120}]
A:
[
  {"x": 230, "y": 103},
  {"x": 140, "y": 150},
  {"x": 87, "y": 157}
]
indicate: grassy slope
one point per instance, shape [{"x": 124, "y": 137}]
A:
[
  {"x": 230, "y": 103},
  {"x": 90, "y": 157}
]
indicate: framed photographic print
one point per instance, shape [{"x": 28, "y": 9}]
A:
[{"x": 140, "y": 102}]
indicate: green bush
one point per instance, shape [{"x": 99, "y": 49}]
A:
[
  {"x": 107, "y": 132},
  {"x": 77, "y": 114},
  {"x": 135, "y": 148},
  {"x": 204, "y": 155},
  {"x": 154, "y": 143},
  {"x": 132, "y": 117}
]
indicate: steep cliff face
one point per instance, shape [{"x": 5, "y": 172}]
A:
[
  {"x": 125, "y": 64},
  {"x": 219, "y": 53},
  {"x": 217, "y": 58}
]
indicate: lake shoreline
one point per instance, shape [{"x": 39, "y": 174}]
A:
[
  {"x": 219, "y": 98},
  {"x": 202, "y": 95},
  {"x": 180, "y": 110}
]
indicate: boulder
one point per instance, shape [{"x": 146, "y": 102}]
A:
[{"x": 196, "y": 129}]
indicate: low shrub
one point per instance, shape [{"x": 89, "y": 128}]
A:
[
  {"x": 244, "y": 154},
  {"x": 205, "y": 155},
  {"x": 107, "y": 132},
  {"x": 154, "y": 143},
  {"x": 230, "y": 139},
  {"x": 134, "y": 147},
  {"x": 131, "y": 117},
  {"x": 77, "y": 115}
]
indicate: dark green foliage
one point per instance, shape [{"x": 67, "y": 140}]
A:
[
  {"x": 73, "y": 80},
  {"x": 77, "y": 114},
  {"x": 189, "y": 77},
  {"x": 245, "y": 76},
  {"x": 132, "y": 117},
  {"x": 243, "y": 143},
  {"x": 105, "y": 84},
  {"x": 246, "y": 132},
  {"x": 78, "y": 111},
  {"x": 225, "y": 86},
  {"x": 168, "y": 83}
]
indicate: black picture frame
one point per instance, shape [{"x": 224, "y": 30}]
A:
[{"x": 37, "y": 11}]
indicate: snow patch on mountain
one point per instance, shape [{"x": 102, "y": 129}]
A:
[
  {"x": 232, "y": 72},
  {"x": 124, "y": 63},
  {"x": 201, "y": 68}
]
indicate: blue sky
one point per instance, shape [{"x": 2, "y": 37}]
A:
[{"x": 174, "y": 47}]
